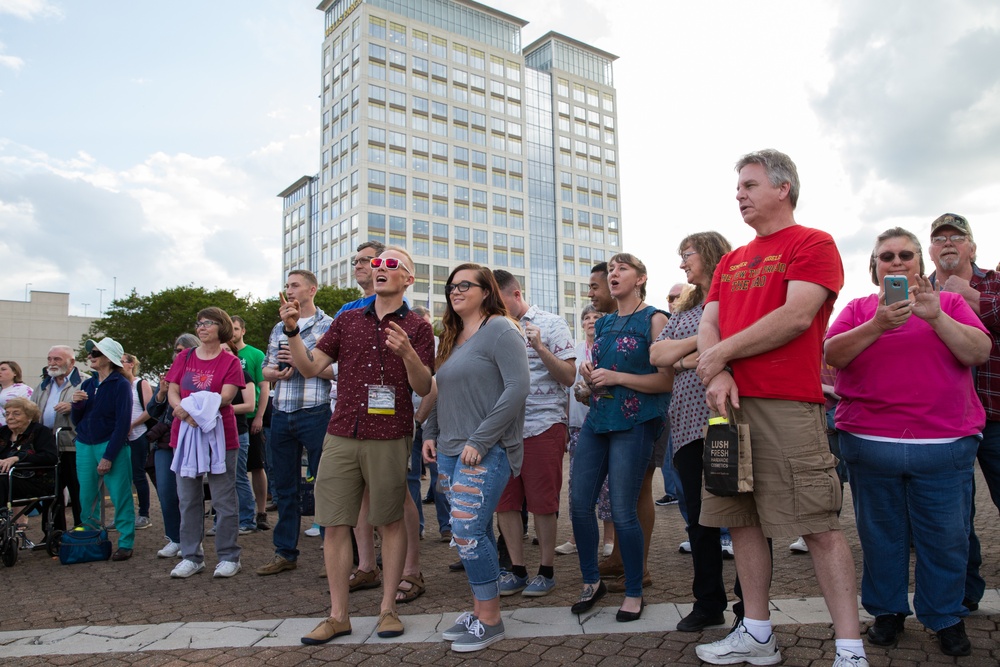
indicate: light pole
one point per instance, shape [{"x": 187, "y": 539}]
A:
[
  {"x": 114, "y": 294},
  {"x": 26, "y": 286},
  {"x": 85, "y": 309},
  {"x": 100, "y": 302}
]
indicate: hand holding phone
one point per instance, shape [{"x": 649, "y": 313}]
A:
[{"x": 896, "y": 288}]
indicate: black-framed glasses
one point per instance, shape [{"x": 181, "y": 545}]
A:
[
  {"x": 361, "y": 261},
  {"x": 390, "y": 263},
  {"x": 904, "y": 255},
  {"x": 956, "y": 239},
  {"x": 204, "y": 324},
  {"x": 462, "y": 287}
]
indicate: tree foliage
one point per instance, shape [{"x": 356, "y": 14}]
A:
[{"x": 148, "y": 325}]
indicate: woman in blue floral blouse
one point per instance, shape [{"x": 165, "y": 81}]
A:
[{"x": 628, "y": 405}]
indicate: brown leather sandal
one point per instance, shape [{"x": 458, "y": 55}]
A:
[
  {"x": 361, "y": 580},
  {"x": 416, "y": 589}
]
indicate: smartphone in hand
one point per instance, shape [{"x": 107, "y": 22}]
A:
[{"x": 896, "y": 288}]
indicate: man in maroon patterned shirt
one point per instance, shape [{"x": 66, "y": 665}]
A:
[
  {"x": 385, "y": 351},
  {"x": 953, "y": 251}
]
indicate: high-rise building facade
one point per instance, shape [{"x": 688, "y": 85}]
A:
[{"x": 441, "y": 134}]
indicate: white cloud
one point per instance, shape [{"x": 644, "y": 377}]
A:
[
  {"x": 30, "y": 9},
  {"x": 11, "y": 62}
]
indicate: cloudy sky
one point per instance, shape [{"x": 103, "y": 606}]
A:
[{"x": 145, "y": 142}]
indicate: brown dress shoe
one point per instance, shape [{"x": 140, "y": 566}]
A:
[
  {"x": 329, "y": 628},
  {"x": 608, "y": 570},
  {"x": 618, "y": 585},
  {"x": 389, "y": 624}
]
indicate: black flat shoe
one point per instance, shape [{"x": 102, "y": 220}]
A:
[
  {"x": 457, "y": 566},
  {"x": 886, "y": 629},
  {"x": 698, "y": 620},
  {"x": 954, "y": 641},
  {"x": 584, "y": 606},
  {"x": 121, "y": 554},
  {"x": 628, "y": 616}
]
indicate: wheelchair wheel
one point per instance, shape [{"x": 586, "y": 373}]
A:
[
  {"x": 52, "y": 544},
  {"x": 9, "y": 555}
]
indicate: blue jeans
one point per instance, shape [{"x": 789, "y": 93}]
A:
[
  {"x": 244, "y": 494},
  {"x": 413, "y": 484},
  {"x": 166, "y": 490},
  {"x": 477, "y": 545},
  {"x": 921, "y": 492},
  {"x": 622, "y": 457},
  {"x": 139, "y": 451},
  {"x": 290, "y": 433},
  {"x": 989, "y": 463}
]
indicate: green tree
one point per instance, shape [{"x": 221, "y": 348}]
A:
[{"x": 148, "y": 325}]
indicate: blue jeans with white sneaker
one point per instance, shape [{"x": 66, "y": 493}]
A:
[
  {"x": 480, "y": 489},
  {"x": 920, "y": 492}
]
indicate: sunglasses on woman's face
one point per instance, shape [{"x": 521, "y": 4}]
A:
[
  {"x": 904, "y": 255},
  {"x": 390, "y": 263},
  {"x": 95, "y": 354}
]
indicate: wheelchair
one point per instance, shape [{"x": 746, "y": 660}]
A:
[{"x": 12, "y": 541}]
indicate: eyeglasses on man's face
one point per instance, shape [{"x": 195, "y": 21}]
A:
[
  {"x": 956, "y": 239},
  {"x": 390, "y": 263},
  {"x": 461, "y": 287},
  {"x": 361, "y": 260}
]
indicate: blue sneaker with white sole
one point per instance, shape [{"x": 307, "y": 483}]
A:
[{"x": 539, "y": 586}]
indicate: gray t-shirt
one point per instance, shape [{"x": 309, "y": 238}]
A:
[{"x": 482, "y": 388}]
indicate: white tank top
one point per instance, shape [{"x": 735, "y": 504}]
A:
[{"x": 137, "y": 408}]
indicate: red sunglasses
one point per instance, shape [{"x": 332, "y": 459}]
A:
[{"x": 391, "y": 263}]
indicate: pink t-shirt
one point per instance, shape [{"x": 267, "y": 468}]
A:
[
  {"x": 194, "y": 374},
  {"x": 907, "y": 384}
]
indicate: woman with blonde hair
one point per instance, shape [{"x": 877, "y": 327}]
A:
[{"x": 137, "y": 441}]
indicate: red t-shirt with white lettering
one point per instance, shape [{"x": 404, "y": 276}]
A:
[{"x": 752, "y": 281}]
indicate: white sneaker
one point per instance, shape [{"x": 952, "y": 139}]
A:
[
  {"x": 186, "y": 568},
  {"x": 799, "y": 546},
  {"x": 685, "y": 547},
  {"x": 740, "y": 646},
  {"x": 726, "y": 544},
  {"x": 566, "y": 549},
  {"x": 850, "y": 660},
  {"x": 313, "y": 531},
  {"x": 608, "y": 549},
  {"x": 227, "y": 568},
  {"x": 172, "y": 550}
]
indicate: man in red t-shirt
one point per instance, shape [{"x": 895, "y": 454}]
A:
[{"x": 760, "y": 344}]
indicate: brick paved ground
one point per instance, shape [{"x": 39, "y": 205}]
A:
[{"x": 39, "y": 593}]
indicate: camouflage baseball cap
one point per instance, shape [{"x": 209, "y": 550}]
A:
[{"x": 954, "y": 221}]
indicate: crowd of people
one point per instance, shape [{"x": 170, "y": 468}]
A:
[{"x": 493, "y": 405}]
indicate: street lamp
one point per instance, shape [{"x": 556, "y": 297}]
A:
[
  {"x": 26, "y": 286},
  {"x": 85, "y": 309},
  {"x": 100, "y": 302}
]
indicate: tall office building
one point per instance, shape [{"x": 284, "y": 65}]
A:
[{"x": 441, "y": 134}]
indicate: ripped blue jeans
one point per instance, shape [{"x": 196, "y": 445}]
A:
[{"x": 474, "y": 493}]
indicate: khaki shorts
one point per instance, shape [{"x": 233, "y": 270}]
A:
[
  {"x": 347, "y": 466},
  {"x": 796, "y": 488}
]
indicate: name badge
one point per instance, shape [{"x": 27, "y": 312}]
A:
[{"x": 381, "y": 399}]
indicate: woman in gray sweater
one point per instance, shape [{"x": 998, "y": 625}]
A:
[{"x": 474, "y": 433}]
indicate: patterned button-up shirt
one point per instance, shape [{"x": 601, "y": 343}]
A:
[
  {"x": 298, "y": 392},
  {"x": 547, "y": 400}
]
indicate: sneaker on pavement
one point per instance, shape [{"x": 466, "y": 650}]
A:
[
  {"x": 246, "y": 530},
  {"x": 142, "y": 522},
  {"x": 227, "y": 568},
  {"x": 954, "y": 640},
  {"x": 726, "y": 544},
  {"x": 850, "y": 660},
  {"x": 511, "y": 584},
  {"x": 799, "y": 546},
  {"x": 172, "y": 550},
  {"x": 275, "y": 565},
  {"x": 539, "y": 586},
  {"x": 566, "y": 549},
  {"x": 684, "y": 547},
  {"x": 667, "y": 499},
  {"x": 740, "y": 646},
  {"x": 186, "y": 568},
  {"x": 461, "y": 626},
  {"x": 478, "y": 636},
  {"x": 312, "y": 531},
  {"x": 389, "y": 625}
]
